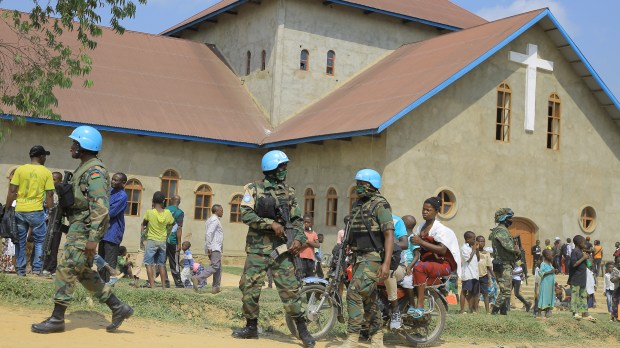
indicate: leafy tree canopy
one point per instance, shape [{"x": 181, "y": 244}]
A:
[{"x": 49, "y": 50}]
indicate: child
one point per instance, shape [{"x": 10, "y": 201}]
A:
[
  {"x": 8, "y": 256},
  {"x": 158, "y": 222},
  {"x": 101, "y": 264},
  {"x": 470, "y": 254},
  {"x": 188, "y": 264},
  {"x": 536, "y": 272},
  {"x": 609, "y": 288},
  {"x": 485, "y": 273},
  {"x": 197, "y": 269},
  {"x": 409, "y": 258},
  {"x": 517, "y": 274},
  {"x": 577, "y": 279},
  {"x": 546, "y": 288},
  {"x": 125, "y": 266}
]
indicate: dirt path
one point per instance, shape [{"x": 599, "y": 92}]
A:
[{"x": 87, "y": 329}]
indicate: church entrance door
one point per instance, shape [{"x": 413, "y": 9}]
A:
[{"x": 527, "y": 231}]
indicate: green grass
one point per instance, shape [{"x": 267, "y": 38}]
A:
[{"x": 224, "y": 311}]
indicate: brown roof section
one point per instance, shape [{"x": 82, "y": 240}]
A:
[
  {"x": 163, "y": 85},
  {"x": 438, "y": 11},
  {"x": 376, "y": 97}
]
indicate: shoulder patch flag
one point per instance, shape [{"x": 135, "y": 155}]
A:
[{"x": 95, "y": 175}]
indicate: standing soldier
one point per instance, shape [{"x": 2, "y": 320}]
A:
[
  {"x": 266, "y": 232},
  {"x": 370, "y": 235},
  {"x": 506, "y": 253},
  {"x": 88, "y": 218}
]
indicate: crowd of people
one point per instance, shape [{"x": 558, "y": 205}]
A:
[{"x": 383, "y": 247}]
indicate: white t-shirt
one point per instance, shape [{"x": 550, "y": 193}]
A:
[
  {"x": 609, "y": 285},
  {"x": 469, "y": 270},
  {"x": 519, "y": 271}
]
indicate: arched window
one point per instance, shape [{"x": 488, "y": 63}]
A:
[
  {"x": 202, "y": 209},
  {"x": 309, "y": 202},
  {"x": 504, "y": 109},
  {"x": 553, "y": 122},
  {"x": 263, "y": 60},
  {"x": 235, "y": 209},
  {"x": 248, "y": 63},
  {"x": 352, "y": 198},
  {"x": 331, "y": 63},
  {"x": 133, "y": 189},
  {"x": 332, "y": 207},
  {"x": 169, "y": 184},
  {"x": 304, "y": 60}
]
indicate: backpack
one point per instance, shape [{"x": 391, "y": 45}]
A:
[{"x": 8, "y": 226}]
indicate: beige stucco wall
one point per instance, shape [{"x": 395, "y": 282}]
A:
[
  {"x": 450, "y": 142},
  {"x": 225, "y": 169},
  {"x": 283, "y": 29}
]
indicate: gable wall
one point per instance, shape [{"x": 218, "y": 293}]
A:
[{"x": 450, "y": 142}]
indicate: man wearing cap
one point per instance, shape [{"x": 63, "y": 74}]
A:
[
  {"x": 89, "y": 219},
  {"x": 506, "y": 253},
  {"x": 31, "y": 185}
]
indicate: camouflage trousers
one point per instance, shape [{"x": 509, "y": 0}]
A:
[
  {"x": 362, "y": 297},
  {"x": 75, "y": 266},
  {"x": 504, "y": 281},
  {"x": 253, "y": 280}
]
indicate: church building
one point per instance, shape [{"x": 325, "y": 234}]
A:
[{"x": 441, "y": 102}]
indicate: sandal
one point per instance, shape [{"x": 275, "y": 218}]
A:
[
  {"x": 416, "y": 312},
  {"x": 590, "y": 319},
  {"x": 577, "y": 316}
]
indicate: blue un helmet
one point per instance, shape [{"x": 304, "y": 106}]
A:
[
  {"x": 88, "y": 137},
  {"x": 371, "y": 176},
  {"x": 272, "y": 160}
]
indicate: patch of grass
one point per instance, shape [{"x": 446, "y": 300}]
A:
[
  {"x": 224, "y": 311},
  {"x": 236, "y": 270}
]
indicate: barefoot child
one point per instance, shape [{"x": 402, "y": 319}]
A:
[
  {"x": 578, "y": 278},
  {"x": 546, "y": 288},
  {"x": 188, "y": 264},
  {"x": 470, "y": 254},
  {"x": 158, "y": 222}
]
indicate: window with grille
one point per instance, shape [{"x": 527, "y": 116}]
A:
[
  {"x": 169, "y": 184},
  {"x": 553, "y": 122},
  {"x": 331, "y": 63},
  {"x": 202, "y": 207},
  {"x": 133, "y": 189},
  {"x": 235, "y": 209},
  {"x": 304, "y": 60},
  {"x": 332, "y": 207},
  {"x": 309, "y": 202},
  {"x": 352, "y": 198},
  {"x": 504, "y": 110}
]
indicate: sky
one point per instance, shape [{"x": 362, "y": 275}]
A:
[{"x": 589, "y": 23}]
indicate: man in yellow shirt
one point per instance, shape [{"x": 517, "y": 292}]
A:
[{"x": 30, "y": 186}]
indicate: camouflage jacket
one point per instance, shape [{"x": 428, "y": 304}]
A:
[
  {"x": 261, "y": 239},
  {"x": 503, "y": 244},
  {"x": 89, "y": 215}
]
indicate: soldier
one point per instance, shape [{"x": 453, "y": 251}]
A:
[
  {"x": 506, "y": 253},
  {"x": 371, "y": 238},
  {"x": 259, "y": 210},
  {"x": 88, "y": 218}
]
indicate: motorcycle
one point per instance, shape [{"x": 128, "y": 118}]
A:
[{"x": 322, "y": 304}]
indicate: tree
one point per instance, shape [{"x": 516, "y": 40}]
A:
[{"x": 50, "y": 50}]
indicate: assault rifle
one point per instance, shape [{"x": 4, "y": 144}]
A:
[
  {"x": 54, "y": 223},
  {"x": 282, "y": 211},
  {"x": 522, "y": 258}
]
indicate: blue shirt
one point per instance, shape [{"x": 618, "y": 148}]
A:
[
  {"x": 408, "y": 253},
  {"x": 399, "y": 228},
  {"x": 118, "y": 204},
  {"x": 188, "y": 259}
]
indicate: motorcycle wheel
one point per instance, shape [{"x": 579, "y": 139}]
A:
[
  {"x": 425, "y": 331},
  {"x": 320, "y": 321}
]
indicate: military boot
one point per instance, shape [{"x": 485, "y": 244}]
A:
[
  {"x": 304, "y": 335},
  {"x": 55, "y": 323},
  {"x": 249, "y": 331},
  {"x": 352, "y": 341},
  {"x": 376, "y": 341},
  {"x": 495, "y": 310},
  {"x": 120, "y": 312},
  {"x": 503, "y": 310}
]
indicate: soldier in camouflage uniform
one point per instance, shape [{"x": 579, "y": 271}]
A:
[
  {"x": 371, "y": 232},
  {"x": 506, "y": 253},
  {"x": 88, "y": 218},
  {"x": 266, "y": 233}
]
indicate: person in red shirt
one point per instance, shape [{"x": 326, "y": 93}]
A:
[{"x": 307, "y": 249}]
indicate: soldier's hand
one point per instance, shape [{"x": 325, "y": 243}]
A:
[
  {"x": 384, "y": 271},
  {"x": 90, "y": 250},
  {"x": 278, "y": 229},
  {"x": 295, "y": 247}
]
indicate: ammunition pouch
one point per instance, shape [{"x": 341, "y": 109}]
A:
[
  {"x": 66, "y": 196},
  {"x": 498, "y": 266},
  {"x": 267, "y": 207}
]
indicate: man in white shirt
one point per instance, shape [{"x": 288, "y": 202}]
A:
[{"x": 214, "y": 240}]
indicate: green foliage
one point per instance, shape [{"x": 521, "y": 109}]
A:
[{"x": 51, "y": 49}]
